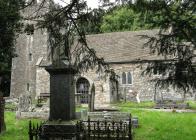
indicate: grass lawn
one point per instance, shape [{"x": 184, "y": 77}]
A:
[
  {"x": 154, "y": 125},
  {"x": 148, "y": 104},
  {"x": 16, "y": 129}
]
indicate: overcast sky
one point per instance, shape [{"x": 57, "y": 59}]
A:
[{"x": 91, "y": 3}]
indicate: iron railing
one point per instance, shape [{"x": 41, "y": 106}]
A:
[{"x": 85, "y": 130}]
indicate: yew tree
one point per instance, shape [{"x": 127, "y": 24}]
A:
[{"x": 175, "y": 41}]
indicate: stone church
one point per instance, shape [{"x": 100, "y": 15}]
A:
[{"x": 124, "y": 53}]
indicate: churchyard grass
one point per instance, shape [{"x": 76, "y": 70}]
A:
[
  {"x": 153, "y": 125},
  {"x": 147, "y": 104},
  {"x": 80, "y": 108},
  {"x": 156, "y": 125},
  {"x": 16, "y": 129}
]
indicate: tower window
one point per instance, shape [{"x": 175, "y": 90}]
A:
[
  {"x": 28, "y": 87},
  {"x": 30, "y": 56}
]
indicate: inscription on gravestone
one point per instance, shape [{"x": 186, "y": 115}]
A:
[{"x": 24, "y": 103}]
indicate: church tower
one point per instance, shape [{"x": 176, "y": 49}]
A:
[{"x": 31, "y": 50}]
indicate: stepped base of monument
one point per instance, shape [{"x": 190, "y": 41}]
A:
[{"x": 58, "y": 131}]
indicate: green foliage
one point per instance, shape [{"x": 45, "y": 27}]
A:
[
  {"x": 125, "y": 18},
  {"x": 9, "y": 26},
  {"x": 90, "y": 23},
  {"x": 5, "y": 83},
  {"x": 175, "y": 41},
  {"x": 192, "y": 104}
]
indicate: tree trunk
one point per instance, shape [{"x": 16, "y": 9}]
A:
[{"x": 2, "y": 121}]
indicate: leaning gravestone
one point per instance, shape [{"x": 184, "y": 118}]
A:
[{"x": 92, "y": 99}]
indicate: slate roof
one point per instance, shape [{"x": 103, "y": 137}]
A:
[{"x": 122, "y": 46}]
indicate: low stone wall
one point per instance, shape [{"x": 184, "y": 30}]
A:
[
  {"x": 39, "y": 115},
  {"x": 30, "y": 115}
]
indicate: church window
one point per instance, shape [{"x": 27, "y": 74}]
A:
[
  {"x": 129, "y": 78},
  {"x": 123, "y": 78},
  {"x": 83, "y": 89}
]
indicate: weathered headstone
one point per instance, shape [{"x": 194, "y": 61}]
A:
[
  {"x": 92, "y": 99},
  {"x": 25, "y": 102},
  {"x": 84, "y": 114}
]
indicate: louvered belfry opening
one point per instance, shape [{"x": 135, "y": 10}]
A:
[{"x": 83, "y": 89}]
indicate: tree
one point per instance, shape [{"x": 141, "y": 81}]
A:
[
  {"x": 175, "y": 41},
  {"x": 9, "y": 27},
  {"x": 125, "y": 18},
  {"x": 91, "y": 24}
]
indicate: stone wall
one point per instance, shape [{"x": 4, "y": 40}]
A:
[
  {"x": 144, "y": 86},
  {"x": 140, "y": 84},
  {"x": 42, "y": 81},
  {"x": 102, "y": 89}
]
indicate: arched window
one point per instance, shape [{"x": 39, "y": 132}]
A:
[
  {"x": 129, "y": 76},
  {"x": 123, "y": 78},
  {"x": 82, "y": 87}
]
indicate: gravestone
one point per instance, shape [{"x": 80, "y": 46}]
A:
[
  {"x": 92, "y": 99},
  {"x": 25, "y": 102}
]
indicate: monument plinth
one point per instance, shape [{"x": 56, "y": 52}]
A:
[{"x": 62, "y": 92}]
